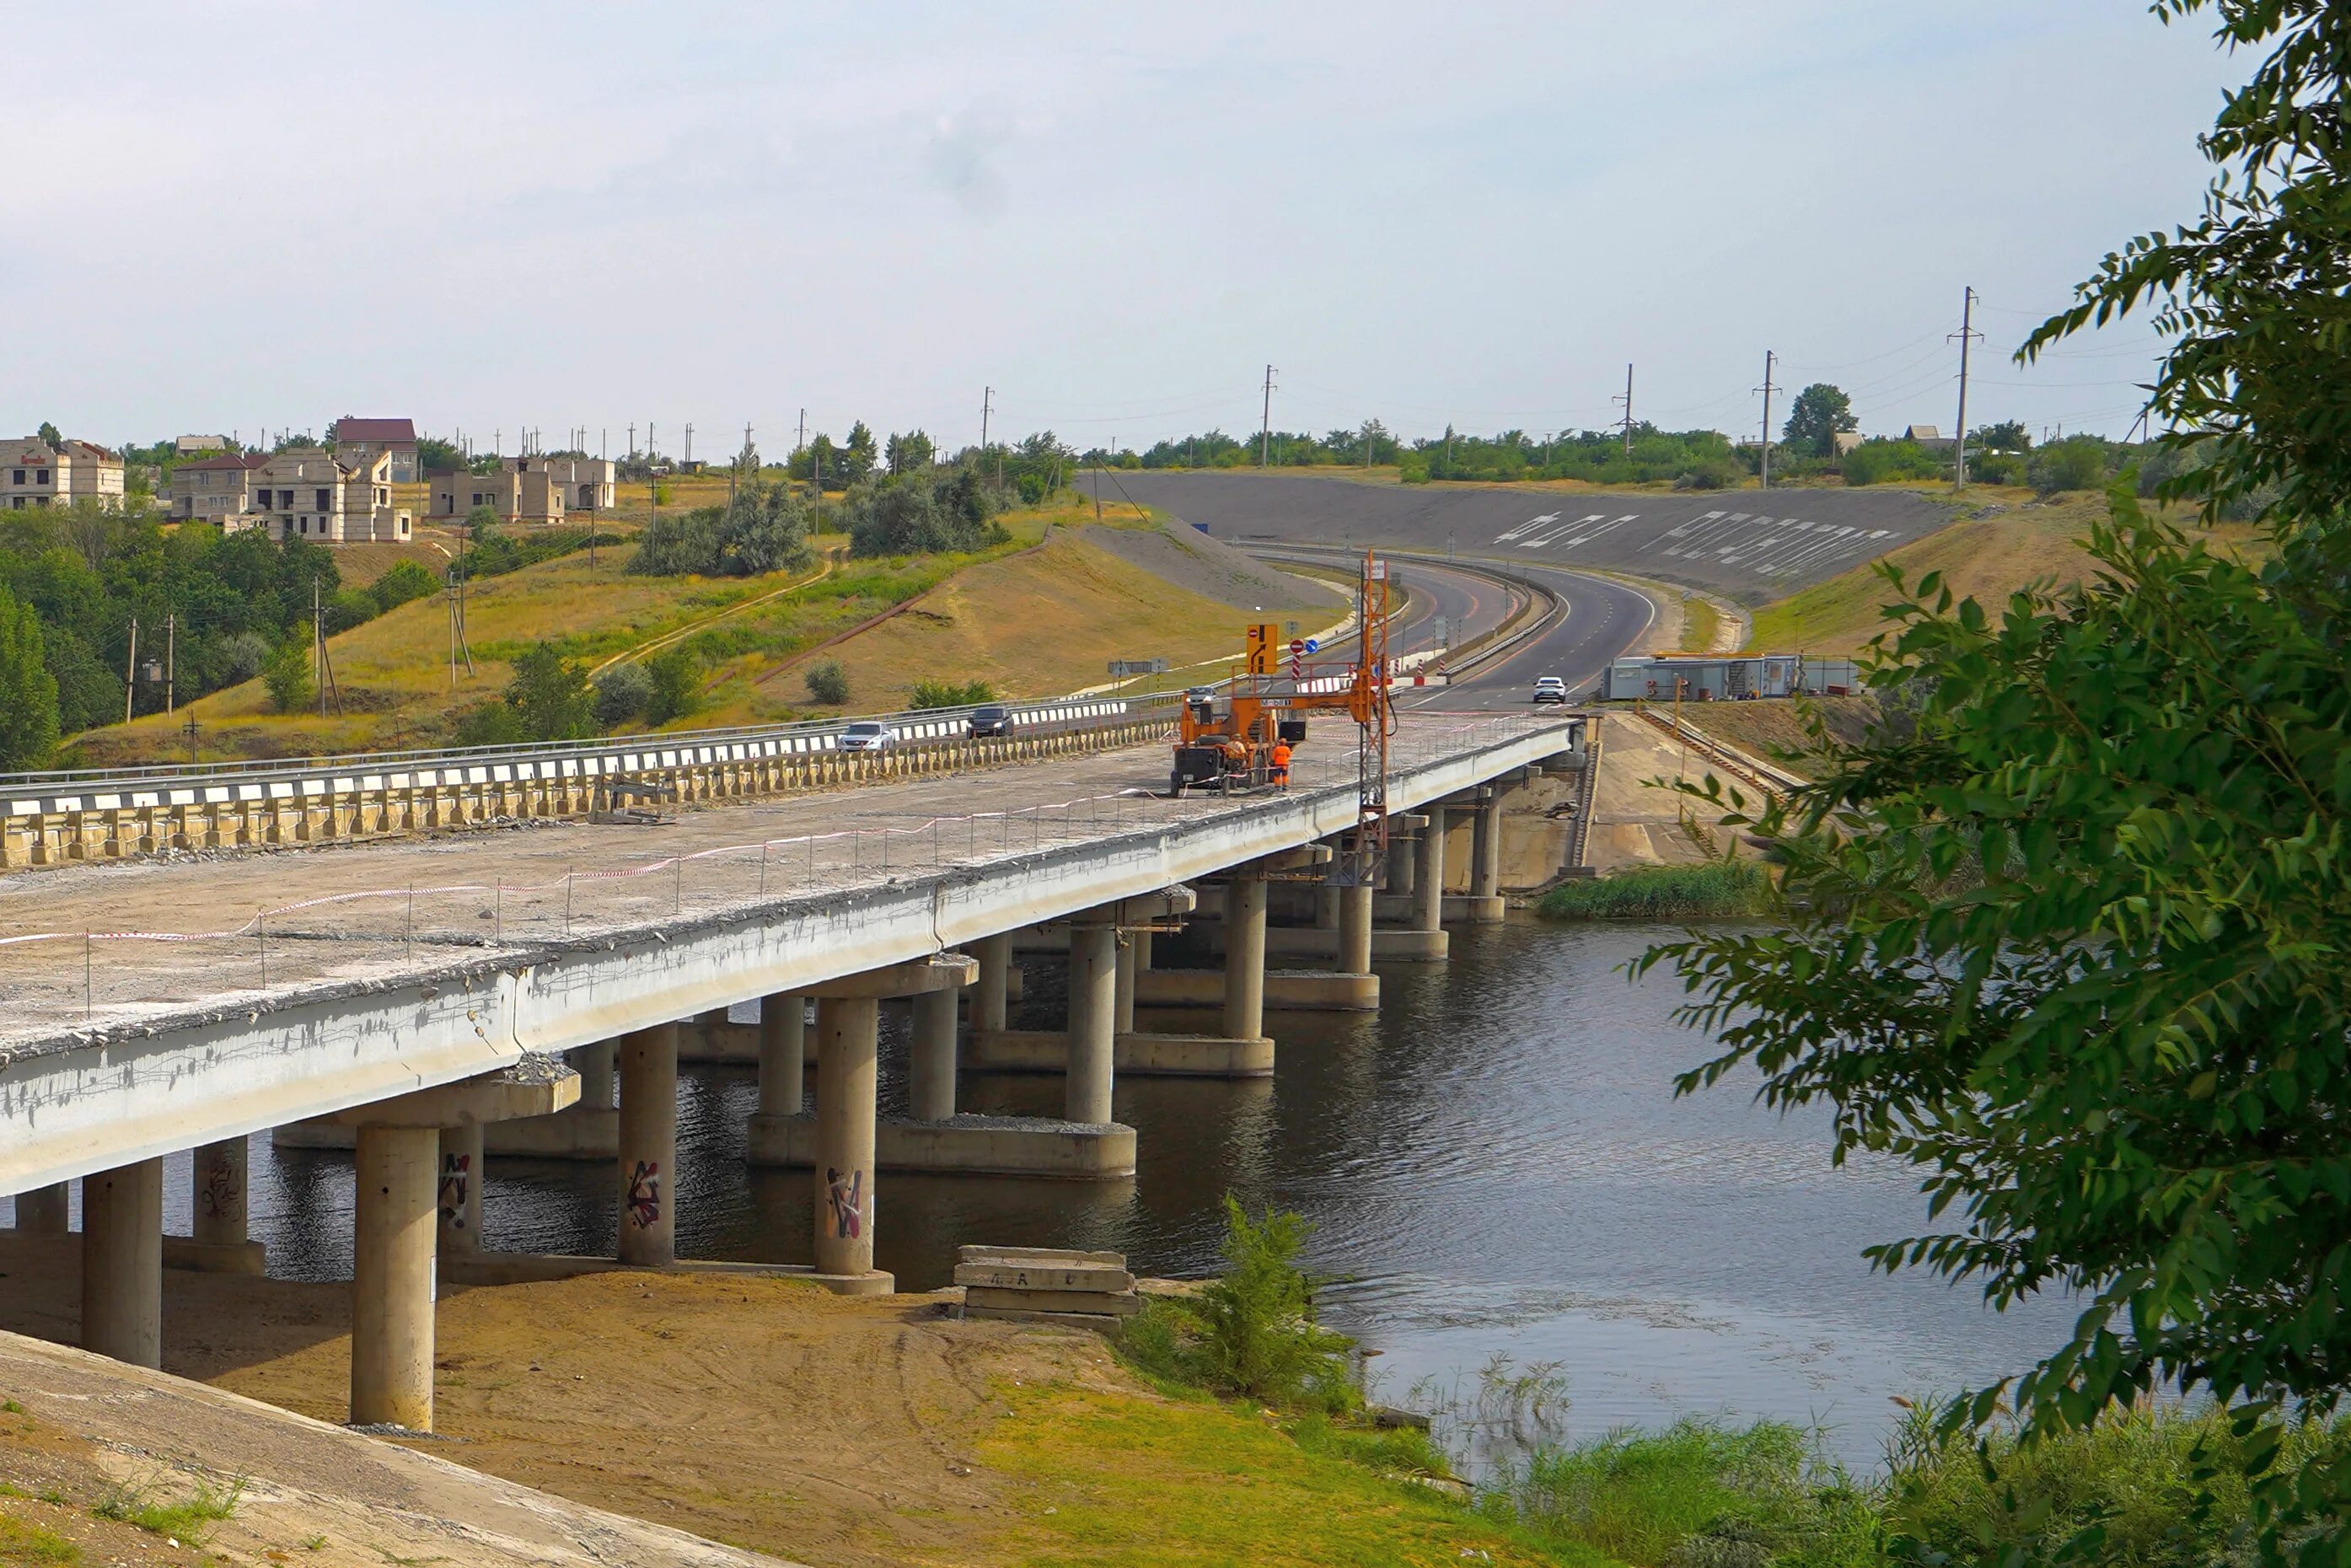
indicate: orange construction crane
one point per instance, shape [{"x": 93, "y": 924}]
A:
[{"x": 1226, "y": 735}]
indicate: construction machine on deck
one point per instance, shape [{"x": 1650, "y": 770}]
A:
[{"x": 1227, "y": 734}]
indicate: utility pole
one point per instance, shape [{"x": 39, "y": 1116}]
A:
[
  {"x": 1967, "y": 334},
  {"x": 1265, "y": 425},
  {"x": 170, "y": 659},
  {"x": 632, "y": 438},
  {"x": 987, "y": 408},
  {"x": 1767, "y": 388},
  {"x": 1627, "y": 401},
  {"x": 130, "y": 672},
  {"x": 689, "y": 443}
]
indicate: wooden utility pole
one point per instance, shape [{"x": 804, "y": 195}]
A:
[{"x": 130, "y": 672}]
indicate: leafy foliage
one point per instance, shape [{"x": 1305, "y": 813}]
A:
[
  {"x": 1251, "y": 1329},
  {"x": 924, "y": 515},
  {"x": 289, "y": 675},
  {"x": 675, "y": 676},
  {"x": 405, "y": 581},
  {"x": 826, "y": 682},
  {"x": 1709, "y": 890},
  {"x": 623, "y": 693},
  {"x": 1814, "y": 420},
  {"x": 763, "y": 528},
  {"x": 1875, "y": 462},
  {"x": 28, "y": 691},
  {"x": 927, "y": 693},
  {"x": 550, "y": 696}
]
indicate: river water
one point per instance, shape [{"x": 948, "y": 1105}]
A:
[{"x": 1494, "y": 1164}]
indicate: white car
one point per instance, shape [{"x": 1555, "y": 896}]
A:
[
  {"x": 866, "y": 735},
  {"x": 1551, "y": 689}
]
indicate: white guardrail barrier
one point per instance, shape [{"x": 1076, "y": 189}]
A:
[{"x": 106, "y": 814}]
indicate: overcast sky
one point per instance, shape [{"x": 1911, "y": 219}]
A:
[{"x": 488, "y": 214}]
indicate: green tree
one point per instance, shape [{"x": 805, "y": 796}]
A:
[
  {"x": 1814, "y": 420},
  {"x": 2008, "y": 435},
  {"x": 88, "y": 693},
  {"x": 287, "y": 675},
  {"x": 907, "y": 453},
  {"x": 49, "y": 436},
  {"x": 675, "y": 674},
  {"x": 624, "y": 692},
  {"x": 405, "y": 581},
  {"x": 28, "y": 693},
  {"x": 828, "y": 683},
  {"x": 550, "y": 696},
  {"x": 2073, "y": 946},
  {"x": 857, "y": 458}
]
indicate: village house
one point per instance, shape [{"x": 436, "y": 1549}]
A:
[
  {"x": 586, "y": 483},
  {"x": 357, "y": 439},
  {"x": 520, "y": 490},
  {"x": 305, "y": 493},
  {"x": 213, "y": 489},
  {"x": 35, "y": 474}
]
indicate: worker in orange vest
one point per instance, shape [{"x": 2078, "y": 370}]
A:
[{"x": 1279, "y": 760}]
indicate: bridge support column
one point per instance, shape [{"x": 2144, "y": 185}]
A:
[
  {"x": 459, "y": 1194},
  {"x": 931, "y": 1069},
  {"x": 392, "y": 1277},
  {"x": 1486, "y": 858},
  {"x": 846, "y": 1029},
  {"x": 1094, "y": 1022},
  {"x": 1129, "y": 964},
  {"x": 989, "y": 1011},
  {"x": 1244, "y": 954},
  {"x": 1428, "y": 874},
  {"x": 396, "y": 1228},
  {"x": 219, "y": 1179},
  {"x": 783, "y": 1054},
  {"x": 648, "y": 1062},
  {"x": 596, "y": 1076},
  {"x": 122, "y": 1263},
  {"x": 1354, "y": 930},
  {"x": 42, "y": 1211}
]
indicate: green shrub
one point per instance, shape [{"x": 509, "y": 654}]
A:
[
  {"x": 287, "y": 675},
  {"x": 407, "y": 581},
  {"x": 487, "y": 724},
  {"x": 1251, "y": 1329},
  {"x": 2077, "y": 464},
  {"x": 828, "y": 682},
  {"x": 1698, "y": 1495},
  {"x": 677, "y": 677},
  {"x": 550, "y": 697},
  {"x": 1708, "y": 889},
  {"x": 624, "y": 692},
  {"x": 929, "y": 693},
  {"x": 1877, "y": 462}
]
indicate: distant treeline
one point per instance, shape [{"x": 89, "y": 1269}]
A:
[{"x": 1694, "y": 459}]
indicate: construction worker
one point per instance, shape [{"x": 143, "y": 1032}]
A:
[{"x": 1279, "y": 759}]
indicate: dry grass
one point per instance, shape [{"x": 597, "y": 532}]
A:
[{"x": 2012, "y": 542}]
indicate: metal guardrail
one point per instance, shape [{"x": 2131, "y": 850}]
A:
[{"x": 169, "y": 784}]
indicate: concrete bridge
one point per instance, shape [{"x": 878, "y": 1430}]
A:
[{"x": 417, "y": 996}]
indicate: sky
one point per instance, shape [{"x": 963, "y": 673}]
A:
[{"x": 506, "y": 214}]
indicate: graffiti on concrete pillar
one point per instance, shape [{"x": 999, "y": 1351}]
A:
[
  {"x": 644, "y": 1195},
  {"x": 456, "y": 1177},
  {"x": 846, "y": 1194},
  {"x": 221, "y": 1192}
]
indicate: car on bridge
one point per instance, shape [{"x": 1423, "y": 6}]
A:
[
  {"x": 1551, "y": 689},
  {"x": 867, "y": 735},
  {"x": 991, "y": 718}
]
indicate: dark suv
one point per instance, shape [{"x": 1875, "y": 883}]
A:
[{"x": 991, "y": 718}]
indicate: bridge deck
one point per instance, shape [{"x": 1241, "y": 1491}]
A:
[{"x": 347, "y": 916}]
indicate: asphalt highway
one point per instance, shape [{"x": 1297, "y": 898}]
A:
[{"x": 1753, "y": 546}]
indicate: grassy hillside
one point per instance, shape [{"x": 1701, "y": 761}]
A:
[
  {"x": 2006, "y": 540},
  {"x": 1030, "y": 621}
]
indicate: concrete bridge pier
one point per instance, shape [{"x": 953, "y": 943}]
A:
[
  {"x": 1244, "y": 987},
  {"x": 783, "y": 1054},
  {"x": 1093, "y": 1019},
  {"x": 931, "y": 1066},
  {"x": 648, "y": 1147},
  {"x": 459, "y": 1193},
  {"x": 221, "y": 1243},
  {"x": 397, "y": 1178},
  {"x": 1355, "y": 929},
  {"x": 122, "y": 1263},
  {"x": 1428, "y": 876},
  {"x": 990, "y": 1001},
  {"x": 43, "y": 1210}
]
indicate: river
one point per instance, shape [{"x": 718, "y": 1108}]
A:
[{"x": 1494, "y": 1164}]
